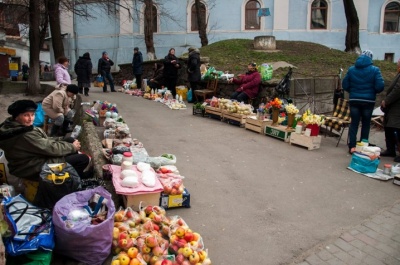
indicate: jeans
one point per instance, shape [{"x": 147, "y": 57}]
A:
[
  {"x": 360, "y": 111},
  {"x": 110, "y": 80},
  {"x": 240, "y": 96}
]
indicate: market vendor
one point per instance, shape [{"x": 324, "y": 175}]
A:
[
  {"x": 57, "y": 107},
  {"x": 248, "y": 84},
  {"x": 27, "y": 148},
  {"x": 157, "y": 80}
]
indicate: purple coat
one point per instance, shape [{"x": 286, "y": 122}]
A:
[{"x": 250, "y": 83}]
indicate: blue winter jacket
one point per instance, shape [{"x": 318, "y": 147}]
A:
[{"x": 363, "y": 80}]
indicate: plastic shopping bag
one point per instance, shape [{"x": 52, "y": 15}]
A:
[
  {"x": 189, "y": 95},
  {"x": 266, "y": 72},
  {"x": 39, "y": 116}
]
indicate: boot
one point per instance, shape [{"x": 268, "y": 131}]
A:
[
  {"x": 65, "y": 127},
  {"x": 80, "y": 90},
  {"x": 54, "y": 130},
  {"x": 86, "y": 91},
  {"x": 390, "y": 144}
]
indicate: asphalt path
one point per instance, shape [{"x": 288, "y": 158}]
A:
[{"x": 255, "y": 199}]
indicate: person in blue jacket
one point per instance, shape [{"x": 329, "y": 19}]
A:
[
  {"x": 362, "y": 81},
  {"x": 137, "y": 62}
]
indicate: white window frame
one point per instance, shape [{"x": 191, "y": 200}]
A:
[
  {"x": 189, "y": 16},
  {"x": 243, "y": 18}
]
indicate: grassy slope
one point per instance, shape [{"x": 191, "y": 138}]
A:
[{"x": 310, "y": 59}]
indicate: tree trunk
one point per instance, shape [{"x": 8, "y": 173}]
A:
[
  {"x": 55, "y": 27},
  {"x": 353, "y": 27},
  {"x": 34, "y": 47},
  {"x": 201, "y": 24},
  {"x": 148, "y": 30}
]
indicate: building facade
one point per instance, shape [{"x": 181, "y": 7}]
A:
[{"x": 117, "y": 29}]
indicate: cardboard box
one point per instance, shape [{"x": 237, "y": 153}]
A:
[
  {"x": 147, "y": 199},
  {"x": 173, "y": 201}
]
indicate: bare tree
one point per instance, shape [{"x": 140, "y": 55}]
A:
[
  {"x": 34, "y": 47},
  {"x": 201, "y": 22},
  {"x": 53, "y": 9},
  {"x": 353, "y": 27},
  {"x": 149, "y": 29}
]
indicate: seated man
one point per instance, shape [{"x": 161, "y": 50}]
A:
[
  {"x": 28, "y": 148},
  {"x": 248, "y": 84},
  {"x": 157, "y": 81},
  {"x": 57, "y": 107}
]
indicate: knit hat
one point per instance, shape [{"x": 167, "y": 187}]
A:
[
  {"x": 368, "y": 53},
  {"x": 136, "y": 49},
  {"x": 104, "y": 52},
  {"x": 74, "y": 89},
  {"x": 191, "y": 49},
  {"x": 21, "y": 106}
]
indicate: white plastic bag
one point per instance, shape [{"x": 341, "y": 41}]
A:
[{"x": 149, "y": 178}]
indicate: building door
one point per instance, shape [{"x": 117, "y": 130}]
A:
[{"x": 4, "y": 70}]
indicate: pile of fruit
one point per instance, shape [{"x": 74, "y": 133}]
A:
[
  {"x": 239, "y": 108},
  {"x": 150, "y": 237}
]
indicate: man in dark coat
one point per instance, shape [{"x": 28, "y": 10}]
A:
[
  {"x": 193, "y": 69},
  {"x": 137, "y": 62},
  {"x": 391, "y": 106},
  {"x": 104, "y": 69},
  {"x": 83, "y": 69}
]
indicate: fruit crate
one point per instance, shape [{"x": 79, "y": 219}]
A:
[
  {"x": 253, "y": 124},
  {"x": 310, "y": 142},
  {"x": 278, "y": 131},
  {"x": 173, "y": 201},
  {"x": 234, "y": 118},
  {"x": 215, "y": 113}
]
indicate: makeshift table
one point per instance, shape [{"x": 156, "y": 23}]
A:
[
  {"x": 149, "y": 196},
  {"x": 311, "y": 142},
  {"x": 256, "y": 125}
]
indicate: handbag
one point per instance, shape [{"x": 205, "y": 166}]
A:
[
  {"x": 56, "y": 181},
  {"x": 31, "y": 227}
]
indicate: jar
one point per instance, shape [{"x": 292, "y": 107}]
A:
[
  {"x": 387, "y": 168},
  {"x": 299, "y": 128},
  {"x": 127, "y": 156},
  {"x": 359, "y": 147},
  {"x": 126, "y": 165}
]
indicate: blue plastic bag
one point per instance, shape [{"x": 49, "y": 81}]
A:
[
  {"x": 363, "y": 164},
  {"x": 31, "y": 227},
  {"x": 39, "y": 116},
  {"x": 189, "y": 95},
  {"x": 99, "y": 78}
]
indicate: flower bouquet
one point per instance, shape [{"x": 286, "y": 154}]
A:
[
  {"x": 313, "y": 121},
  {"x": 275, "y": 105},
  {"x": 291, "y": 111}
]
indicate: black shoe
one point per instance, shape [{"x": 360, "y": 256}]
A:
[
  {"x": 87, "y": 94},
  {"x": 397, "y": 159},
  {"x": 105, "y": 91},
  {"x": 388, "y": 153},
  {"x": 113, "y": 90}
]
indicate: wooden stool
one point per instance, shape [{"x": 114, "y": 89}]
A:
[{"x": 47, "y": 124}]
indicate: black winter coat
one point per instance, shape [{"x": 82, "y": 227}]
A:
[
  {"x": 137, "y": 63},
  {"x": 392, "y": 102},
  {"x": 83, "y": 69},
  {"x": 170, "y": 71},
  {"x": 104, "y": 66},
  {"x": 193, "y": 66}
]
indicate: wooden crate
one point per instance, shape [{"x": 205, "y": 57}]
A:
[
  {"x": 133, "y": 201},
  {"x": 253, "y": 124},
  {"x": 234, "y": 118},
  {"x": 213, "y": 112},
  {"x": 310, "y": 142},
  {"x": 278, "y": 131}
]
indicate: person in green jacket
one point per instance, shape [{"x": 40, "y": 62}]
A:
[{"x": 27, "y": 148}]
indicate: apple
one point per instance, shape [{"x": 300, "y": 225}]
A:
[
  {"x": 116, "y": 262},
  {"x": 174, "y": 191},
  {"x": 132, "y": 252},
  {"x": 151, "y": 241},
  {"x": 180, "y": 222},
  {"x": 133, "y": 233},
  {"x": 181, "y": 243},
  {"x": 165, "y": 230},
  {"x": 115, "y": 233},
  {"x": 179, "y": 258},
  {"x": 173, "y": 248},
  {"x": 117, "y": 250},
  {"x": 124, "y": 259},
  {"x": 196, "y": 236},
  {"x": 157, "y": 218},
  {"x": 122, "y": 236},
  {"x": 187, "y": 251},
  {"x": 129, "y": 244},
  {"x": 194, "y": 244},
  {"x": 157, "y": 251},
  {"x": 185, "y": 262},
  {"x": 188, "y": 236},
  {"x": 173, "y": 239},
  {"x": 145, "y": 249},
  {"x": 148, "y": 210},
  {"x": 122, "y": 243},
  {"x": 194, "y": 257},
  {"x": 146, "y": 257},
  {"x": 135, "y": 261},
  {"x": 119, "y": 216},
  {"x": 207, "y": 261},
  {"x": 166, "y": 262},
  {"x": 153, "y": 260},
  {"x": 202, "y": 255},
  {"x": 180, "y": 231}
]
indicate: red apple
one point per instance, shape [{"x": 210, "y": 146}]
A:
[
  {"x": 194, "y": 258},
  {"x": 157, "y": 251},
  {"x": 179, "y": 258},
  {"x": 148, "y": 210},
  {"x": 181, "y": 243},
  {"x": 189, "y": 236},
  {"x": 151, "y": 241},
  {"x": 180, "y": 232}
]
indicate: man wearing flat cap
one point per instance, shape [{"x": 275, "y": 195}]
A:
[
  {"x": 27, "y": 148},
  {"x": 193, "y": 69},
  {"x": 57, "y": 107}
]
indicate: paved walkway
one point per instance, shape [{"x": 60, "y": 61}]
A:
[{"x": 374, "y": 242}]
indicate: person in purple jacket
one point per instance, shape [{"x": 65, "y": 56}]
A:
[
  {"x": 362, "y": 81},
  {"x": 248, "y": 84}
]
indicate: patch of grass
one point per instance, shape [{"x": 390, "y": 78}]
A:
[{"x": 310, "y": 59}]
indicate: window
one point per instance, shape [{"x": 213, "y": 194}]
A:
[
  {"x": 389, "y": 57},
  {"x": 252, "y": 21},
  {"x": 152, "y": 13},
  {"x": 319, "y": 13},
  {"x": 194, "y": 26},
  {"x": 392, "y": 17}
]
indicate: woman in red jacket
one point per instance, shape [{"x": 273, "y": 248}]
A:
[{"x": 248, "y": 84}]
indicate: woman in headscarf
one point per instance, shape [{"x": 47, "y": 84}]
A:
[
  {"x": 83, "y": 69},
  {"x": 171, "y": 67}
]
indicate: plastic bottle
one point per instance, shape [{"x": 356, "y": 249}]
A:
[
  {"x": 77, "y": 130},
  {"x": 127, "y": 156},
  {"x": 365, "y": 142}
]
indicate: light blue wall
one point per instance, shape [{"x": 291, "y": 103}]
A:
[{"x": 102, "y": 33}]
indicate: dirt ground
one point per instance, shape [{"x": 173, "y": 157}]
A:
[{"x": 7, "y": 99}]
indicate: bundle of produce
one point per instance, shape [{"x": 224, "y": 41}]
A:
[
  {"x": 223, "y": 103},
  {"x": 239, "y": 108}
]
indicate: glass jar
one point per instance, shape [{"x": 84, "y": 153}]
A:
[
  {"x": 387, "y": 168},
  {"x": 127, "y": 156}
]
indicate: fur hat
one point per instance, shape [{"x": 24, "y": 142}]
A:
[
  {"x": 21, "y": 106},
  {"x": 191, "y": 49},
  {"x": 368, "y": 53},
  {"x": 74, "y": 89}
]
